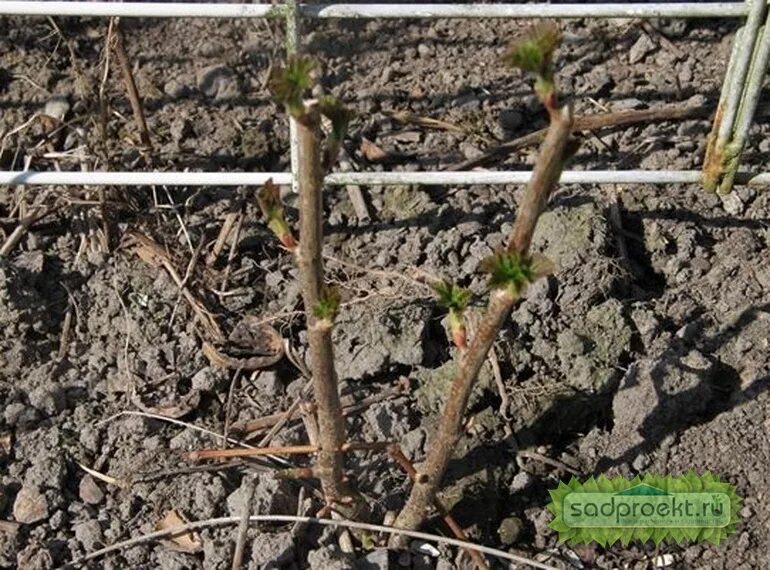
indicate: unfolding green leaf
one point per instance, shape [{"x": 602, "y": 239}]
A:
[
  {"x": 269, "y": 200},
  {"x": 339, "y": 115},
  {"x": 509, "y": 269},
  {"x": 451, "y": 296},
  {"x": 289, "y": 83},
  {"x": 534, "y": 51},
  {"x": 328, "y": 304}
]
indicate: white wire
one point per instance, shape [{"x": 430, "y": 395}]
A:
[
  {"x": 470, "y": 10},
  {"x": 191, "y": 179},
  {"x": 328, "y": 522}
]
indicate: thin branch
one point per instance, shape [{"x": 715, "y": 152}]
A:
[
  {"x": 590, "y": 123},
  {"x": 131, "y": 90},
  {"x": 544, "y": 179},
  {"x": 330, "y": 419},
  {"x": 202, "y": 454},
  {"x": 349, "y": 406},
  {"x": 229, "y": 402},
  {"x": 406, "y": 465},
  {"x": 15, "y": 237},
  {"x": 180, "y": 423},
  {"x": 243, "y": 526},
  {"x": 224, "y": 521}
]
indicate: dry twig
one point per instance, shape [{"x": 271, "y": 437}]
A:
[
  {"x": 131, "y": 90},
  {"x": 15, "y": 237},
  {"x": 204, "y": 454},
  {"x": 590, "y": 123},
  {"x": 243, "y": 526},
  {"x": 223, "y": 521},
  {"x": 349, "y": 406},
  {"x": 403, "y": 461}
]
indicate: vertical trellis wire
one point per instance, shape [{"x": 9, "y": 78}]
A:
[{"x": 292, "y": 12}]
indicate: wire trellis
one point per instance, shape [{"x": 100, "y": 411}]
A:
[{"x": 740, "y": 94}]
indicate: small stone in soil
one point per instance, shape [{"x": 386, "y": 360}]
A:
[
  {"x": 170, "y": 560},
  {"x": 175, "y": 89},
  {"x": 89, "y": 491},
  {"x": 30, "y": 505},
  {"x": 378, "y": 559},
  {"x": 20, "y": 416},
  {"x": 268, "y": 383},
  {"x": 384, "y": 420},
  {"x": 57, "y": 107},
  {"x": 470, "y": 151},
  {"x": 206, "y": 379},
  {"x": 34, "y": 557},
  {"x": 89, "y": 534},
  {"x": 733, "y": 204},
  {"x": 412, "y": 442},
  {"x": 670, "y": 27},
  {"x": 509, "y": 530},
  {"x": 272, "y": 549},
  {"x": 329, "y": 558},
  {"x": 510, "y": 119},
  {"x": 640, "y": 49},
  {"x": 641, "y": 461},
  {"x": 48, "y": 399},
  {"x": 521, "y": 481}
]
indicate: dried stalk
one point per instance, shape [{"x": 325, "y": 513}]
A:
[
  {"x": 224, "y": 521},
  {"x": 349, "y": 406},
  {"x": 675, "y": 112},
  {"x": 131, "y": 90},
  {"x": 204, "y": 454},
  {"x": 26, "y": 222},
  {"x": 243, "y": 525},
  {"x": 545, "y": 176}
]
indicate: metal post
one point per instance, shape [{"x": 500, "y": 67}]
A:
[
  {"x": 293, "y": 24},
  {"x": 759, "y": 63},
  {"x": 720, "y": 151}
]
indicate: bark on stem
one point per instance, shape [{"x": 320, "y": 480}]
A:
[
  {"x": 544, "y": 179},
  {"x": 331, "y": 425}
]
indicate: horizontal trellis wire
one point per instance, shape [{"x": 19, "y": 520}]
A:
[
  {"x": 216, "y": 10},
  {"x": 363, "y": 178}
]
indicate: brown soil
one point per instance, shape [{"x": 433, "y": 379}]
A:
[{"x": 646, "y": 351}]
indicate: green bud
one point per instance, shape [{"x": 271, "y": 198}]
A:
[
  {"x": 534, "y": 52},
  {"x": 339, "y": 115},
  {"x": 269, "y": 200},
  {"x": 289, "y": 83},
  {"x": 328, "y": 304},
  {"x": 452, "y": 297},
  {"x": 509, "y": 269}
]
